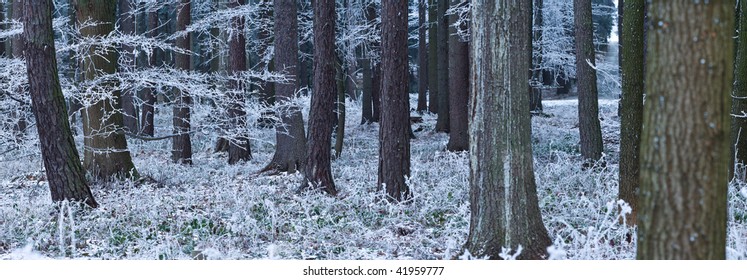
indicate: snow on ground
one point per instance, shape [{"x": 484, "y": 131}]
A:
[{"x": 215, "y": 211}]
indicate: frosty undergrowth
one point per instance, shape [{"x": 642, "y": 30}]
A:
[{"x": 212, "y": 210}]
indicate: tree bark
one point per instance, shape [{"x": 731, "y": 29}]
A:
[
  {"x": 65, "y": 174},
  {"x": 588, "y": 101},
  {"x": 394, "y": 133},
  {"x": 149, "y": 94},
  {"x": 422, "y": 59},
  {"x": 442, "y": 122},
  {"x": 127, "y": 26},
  {"x": 106, "y": 152},
  {"x": 318, "y": 171},
  {"x": 458, "y": 87},
  {"x": 181, "y": 151},
  {"x": 290, "y": 151},
  {"x": 739, "y": 106},
  {"x": 433, "y": 56},
  {"x": 631, "y": 110},
  {"x": 685, "y": 140},
  {"x": 18, "y": 45},
  {"x": 238, "y": 148},
  {"x": 367, "y": 100},
  {"x": 503, "y": 196},
  {"x": 535, "y": 100}
]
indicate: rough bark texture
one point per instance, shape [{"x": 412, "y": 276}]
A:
[
  {"x": 535, "y": 100},
  {"x": 65, "y": 174},
  {"x": 394, "y": 133},
  {"x": 106, "y": 152},
  {"x": 739, "y": 106},
  {"x": 318, "y": 171},
  {"x": 238, "y": 148},
  {"x": 290, "y": 150},
  {"x": 442, "y": 122},
  {"x": 432, "y": 56},
  {"x": 458, "y": 87},
  {"x": 503, "y": 196},
  {"x": 181, "y": 151},
  {"x": 422, "y": 59},
  {"x": 376, "y": 97},
  {"x": 588, "y": 101},
  {"x": 631, "y": 110},
  {"x": 149, "y": 94},
  {"x": 127, "y": 26},
  {"x": 686, "y": 136}
]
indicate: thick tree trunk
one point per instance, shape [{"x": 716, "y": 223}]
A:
[
  {"x": 631, "y": 111},
  {"x": 127, "y": 26},
  {"x": 442, "y": 123},
  {"x": 181, "y": 151},
  {"x": 739, "y": 106},
  {"x": 318, "y": 172},
  {"x": 686, "y": 137},
  {"x": 65, "y": 174},
  {"x": 535, "y": 100},
  {"x": 394, "y": 134},
  {"x": 149, "y": 94},
  {"x": 238, "y": 148},
  {"x": 505, "y": 210},
  {"x": 433, "y": 56},
  {"x": 458, "y": 87},
  {"x": 106, "y": 152},
  {"x": 376, "y": 97},
  {"x": 422, "y": 59},
  {"x": 588, "y": 101},
  {"x": 290, "y": 151}
]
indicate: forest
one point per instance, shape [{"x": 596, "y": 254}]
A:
[{"x": 373, "y": 129}]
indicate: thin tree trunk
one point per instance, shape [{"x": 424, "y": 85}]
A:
[
  {"x": 442, "y": 122},
  {"x": 149, "y": 94},
  {"x": 535, "y": 101},
  {"x": 458, "y": 87},
  {"x": 588, "y": 101},
  {"x": 127, "y": 26},
  {"x": 503, "y": 195},
  {"x": 422, "y": 59},
  {"x": 238, "y": 148},
  {"x": 65, "y": 174},
  {"x": 181, "y": 151},
  {"x": 106, "y": 152},
  {"x": 367, "y": 100},
  {"x": 17, "y": 44},
  {"x": 686, "y": 131},
  {"x": 340, "y": 125},
  {"x": 631, "y": 111},
  {"x": 739, "y": 106},
  {"x": 318, "y": 171},
  {"x": 394, "y": 134},
  {"x": 433, "y": 56},
  {"x": 376, "y": 98}
]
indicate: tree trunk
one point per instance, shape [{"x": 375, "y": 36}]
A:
[
  {"x": 503, "y": 196},
  {"x": 433, "y": 56},
  {"x": 264, "y": 39},
  {"x": 376, "y": 97},
  {"x": 458, "y": 87},
  {"x": 685, "y": 140},
  {"x": 65, "y": 174},
  {"x": 631, "y": 111},
  {"x": 238, "y": 148},
  {"x": 318, "y": 172},
  {"x": 367, "y": 100},
  {"x": 422, "y": 59},
  {"x": 181, "y": 151},
  {"x": 442, "y": 122},
  {"x": 18, "y": 45},
  {"x": 106, "y": 152},
  {"x": 535, "y": 101},
  {"x": 340, "y": 125},
  {"x": 588, "y": 100},
  {"x": 149, "y": 94},
  {"x": 394, "y": 133},
  {"x": 290, "y": 151},
  {"x": 739, "y": 106},
  {"x": 127, "y": 26}
]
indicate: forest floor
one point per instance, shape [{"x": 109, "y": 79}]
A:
[{"x": 212, "y": 210}]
